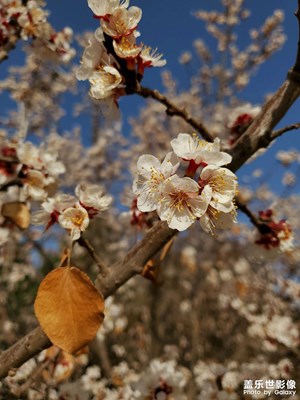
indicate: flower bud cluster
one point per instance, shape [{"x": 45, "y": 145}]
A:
[
  {"x": 29, "y": 167},
  {"x": 205, "y": 193},
  {"x": 113, "y": 60},
  {"x": 240, "y": 119},
  {"x": 27, "y": 173},
  {"x": 26, "y": 19},
  {"x": 278, "y": 236},
  {"x": 73, "y": 213}
]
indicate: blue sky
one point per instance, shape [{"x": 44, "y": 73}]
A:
[{"x": 171, "y": 26}]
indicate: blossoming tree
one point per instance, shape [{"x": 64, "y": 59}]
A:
[{"x": 125, "y": 305}]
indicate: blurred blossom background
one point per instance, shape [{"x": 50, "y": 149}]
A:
[{"x": 209, "y": 312}]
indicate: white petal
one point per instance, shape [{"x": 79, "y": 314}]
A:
[
  {"x": 225, "y": 220},
  {"x": 135, "y": 15},
  {"x": 147, "y": 201},
  {"x": 183, "y": 145},
  {"x": 99, "y": 7},
  {"x": 146, "y": 163},
  {"x": 214, "y": 157},
  {"x": 40, "y": 217},
  {"x": 170, "y": 164},
  {"x": 205, "y": 223},
  {"x": 181, "y": 221},
  {"x": 223, "y": 207}
]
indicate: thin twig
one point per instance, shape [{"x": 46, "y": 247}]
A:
[
  {"x": 39, "y": 248},
  {"x": 261, "y": 227},
  {"x": 10, "y": 45},
  {"x": 173, "y": 109},
  {"x": 99, "y": 349},
  {"x": 279, "y": 132},
  {"x": 36, "y": 373},
  {"x": 103, "y": 268}
]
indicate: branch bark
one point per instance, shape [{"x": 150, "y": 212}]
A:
[{"x": 259, "y": 134}]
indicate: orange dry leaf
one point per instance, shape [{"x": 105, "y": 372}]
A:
[
  {"x": 18, "y": 213},
  {"x": 69, "y": 308}
]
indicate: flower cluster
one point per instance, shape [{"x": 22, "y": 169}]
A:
[
  {"x": 39, "y": 171},
  {"x": 278, "y": 235},
  {"x": 27, "y": 173},
  {"x": 112, "y": 57},
  {"x": 26, "y": 19},
  {"x": 240, "y": 119},
  {"x": 182, "y": 200},
  {"x": 160, "y": 380},
  {"x": 29, "y": 167},
  {"x": 73, "y": 213}
]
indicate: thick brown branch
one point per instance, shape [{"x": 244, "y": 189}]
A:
[
  {"x": 259, "y": 134},
  {"x": 23, "y": 350},
  {"x": 172, "y": 109},
  {"x": 135, "y": 259}
]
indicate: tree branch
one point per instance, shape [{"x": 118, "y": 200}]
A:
[
  {"x": 23, "y": 350},
  {"x": 261, "y": 227},
  {"x": 10, "y": 45},
  {"x": 118, "y": 274},
  {"x": 259, "y": 134},
  {"x": 172, "y": 109},
  {"x": 279, "y": 132}
]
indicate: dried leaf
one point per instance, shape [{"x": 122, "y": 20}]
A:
[
  {"x": 69, "y": 308},
  {"x": 166, "y": 249},
  {"x": 151, "y": 270},
  {"x": 18, "y": 213}
]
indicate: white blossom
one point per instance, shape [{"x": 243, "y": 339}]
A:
[
  {"x": 189, "y": 147},
  {"x": 29, "y": 155},
  {"x": 102, "y": 8},
  {"x": 151, "y": 175},
  {"x": 222, "y": 183},
  {"x": 104, "y": 81},
  {"x": 36, "y": 184},
  {"x": 92, "y": 198},
  {"x": 122, "y": 22},
  {"x": 126, "y": 47},
  {"x": 160, "y": 378},
  {"x": 214, "y": 219},
  {"x": 52, "y": 208},
  {"x": 93, "y": 57},
  {"x": 75, "y": 219},
  {"x": 150, "y": 58},
  {"x": 181, "y": 203}
]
